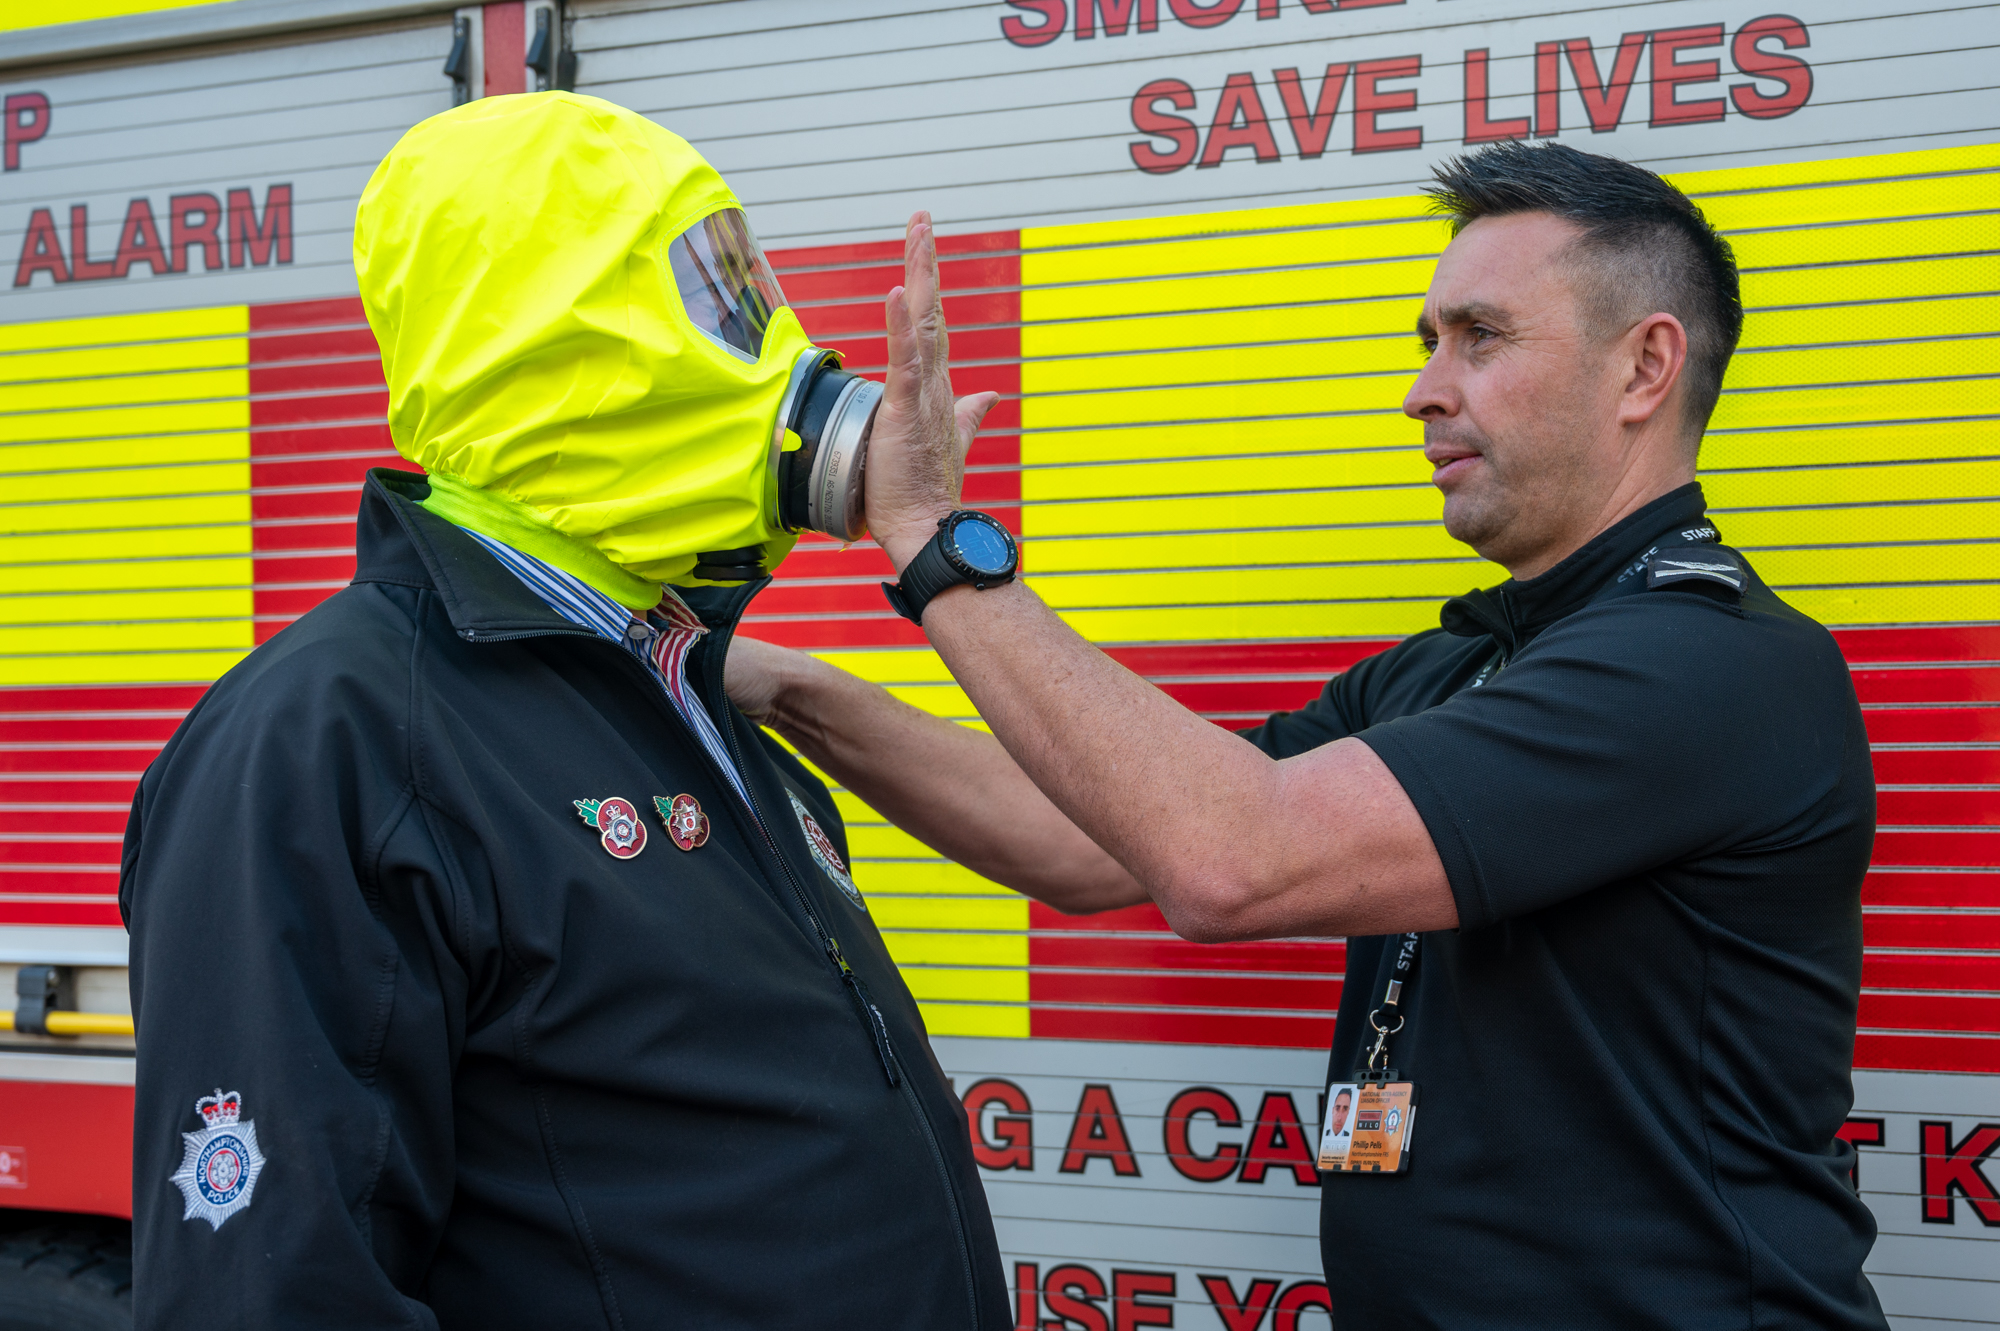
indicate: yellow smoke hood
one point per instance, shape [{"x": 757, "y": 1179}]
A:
[{"x": 512, "y": 258}]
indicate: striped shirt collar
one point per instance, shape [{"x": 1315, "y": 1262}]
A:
[
  {"x": 661, "y": 639},
  {"x": 570, "y": 596},
  {"x": 579, "y": 602}
]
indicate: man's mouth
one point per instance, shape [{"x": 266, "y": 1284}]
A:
[{"x": 1449, "y": 462}]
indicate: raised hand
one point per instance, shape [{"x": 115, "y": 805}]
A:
[{"x": 916, "y": 456}]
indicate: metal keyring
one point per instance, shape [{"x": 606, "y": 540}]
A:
[{"x": 1381, "y": 1029}]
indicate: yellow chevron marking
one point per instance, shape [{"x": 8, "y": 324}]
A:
[
  {"x": 92, "y": 611},
  {"x": 893, "y": 665},
  {"x": 126, "y": 445},
  {"x": 923, "y": 947},
  {"x": 155, "y": 511},
  {"x": 1183, "y": 550},
  {"x": 1216, "y": 439},
  {"x": 160, "y": 450},
  {"x": 127, "y": 633},
  {"x": 1757, "y": 530},
  {"x": 880, "y": 841},
  {"x": 1804, "y": 176},
  {"x": 1292, "y": 360},
  {"x": 61, "y": 487},
  {"x": 121, "y": 390},
  {"x": 1223, "y": 623},
  {"x": 1325, "y": 282},
  {"x": 905, "y": 878},
  {"x": 997, "y": 1022},
  {"x": 122, "y": 575},
  {"x": 137, "y": 366},
  {"x": 951, "y": 914},
  {"x": 1910, "y": 401},
  {"x": 112, "y": 330},
  {"x": 947, "y": 984},
  {"x": 1839, "y": 444},
  {"x": 1858, "y": 202},
  {"x": 1319, "y": 322},
  {"x": 91, "y": 547},
  {"x": 1864, "y": 241},
  {"x": 120, "y": 665},
  {"x": 1297, "y": 471},
  {"x": 1855, "y": 567},
  {"x": 1301, "y": 586},
  {"x": 124, "y": 422},
  {"x": 1355, "y": 212},
  {"x": 1907, "y": 279},
  {"x": 1861, "y": 485},
  {"x": 1900, "y": 605},
  {"x": 1413, "y": 503}
]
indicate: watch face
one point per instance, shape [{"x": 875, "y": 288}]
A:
[{"x": 981, "y": 546}]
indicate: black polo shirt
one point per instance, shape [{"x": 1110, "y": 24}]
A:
[{"x": 1655, "y": 806}]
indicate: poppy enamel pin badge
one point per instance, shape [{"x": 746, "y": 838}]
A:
[
  {"x": 685, "y": 821},
  {"x": 623, "y": 835}
]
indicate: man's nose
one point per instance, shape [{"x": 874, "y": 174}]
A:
[{"x": 1431, "y": 395}]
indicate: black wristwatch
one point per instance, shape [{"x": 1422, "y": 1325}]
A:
[{"x": 969, "y": 547}]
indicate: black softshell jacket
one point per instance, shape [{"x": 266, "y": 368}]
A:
[{"x": 499, "y": 1077}]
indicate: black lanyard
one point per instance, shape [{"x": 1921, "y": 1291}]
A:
[{"x": 1392, "y": 997}]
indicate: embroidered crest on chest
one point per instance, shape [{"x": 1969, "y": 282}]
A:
[{"x": 825, "y": 855}]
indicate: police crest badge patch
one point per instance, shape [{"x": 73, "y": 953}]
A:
[
  {"x": 220, "y": 1167},
  {"x": 824, "y": 854}
]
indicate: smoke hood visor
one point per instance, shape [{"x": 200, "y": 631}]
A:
[{"x": 726, "y": 285}]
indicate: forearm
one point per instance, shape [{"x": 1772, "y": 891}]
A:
[
  {"x": 1164, "y": 792},
  {"x": 1230, "y": 843},
  {"x": 950, "y": 786}
]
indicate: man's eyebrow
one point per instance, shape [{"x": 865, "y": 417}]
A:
[{"x": 1457, "y": 316}]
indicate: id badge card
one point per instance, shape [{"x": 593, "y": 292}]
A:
[{"x": 1368, "y": 1126}]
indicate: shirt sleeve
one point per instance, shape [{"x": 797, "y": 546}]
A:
[
  {"x": 1645, "y": 732},
  {"x": 1337, "y": 713},
  {"x": 290, "y": 914}
]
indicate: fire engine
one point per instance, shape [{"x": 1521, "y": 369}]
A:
[{"x": 1184, "y": 240}]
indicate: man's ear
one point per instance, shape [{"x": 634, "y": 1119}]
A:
[{"x": 1656, "y": 351}]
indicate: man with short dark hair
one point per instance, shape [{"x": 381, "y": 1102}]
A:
[
  {"x": 1597, "y": 842},
  {"x": 1336, "y": 1114}
]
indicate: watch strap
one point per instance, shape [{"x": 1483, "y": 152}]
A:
[{"x": 923, "y": 578}]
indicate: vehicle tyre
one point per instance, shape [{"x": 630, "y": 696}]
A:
[{"x": 66, "y": 1278}]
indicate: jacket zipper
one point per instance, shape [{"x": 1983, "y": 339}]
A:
[
  {"x": 857, "y": 989},
  {"x": 877, "y": 1026}
]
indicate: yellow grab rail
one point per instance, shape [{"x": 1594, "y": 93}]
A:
[{"x": 79, "y": 1023}]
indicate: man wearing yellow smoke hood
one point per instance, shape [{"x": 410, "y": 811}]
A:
[{"x": 491, "y": 970}]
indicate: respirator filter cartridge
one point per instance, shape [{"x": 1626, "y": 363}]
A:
[{"x": 820, "y": 483}]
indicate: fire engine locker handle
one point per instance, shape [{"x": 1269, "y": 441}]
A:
[
  {"x": 553, "y": 62},
  {"x": 458, "y": 65},
  {"x": 79, "y": 1023}
]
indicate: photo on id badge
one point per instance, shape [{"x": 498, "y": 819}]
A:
[{"x": 1338, "y": 1133}]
